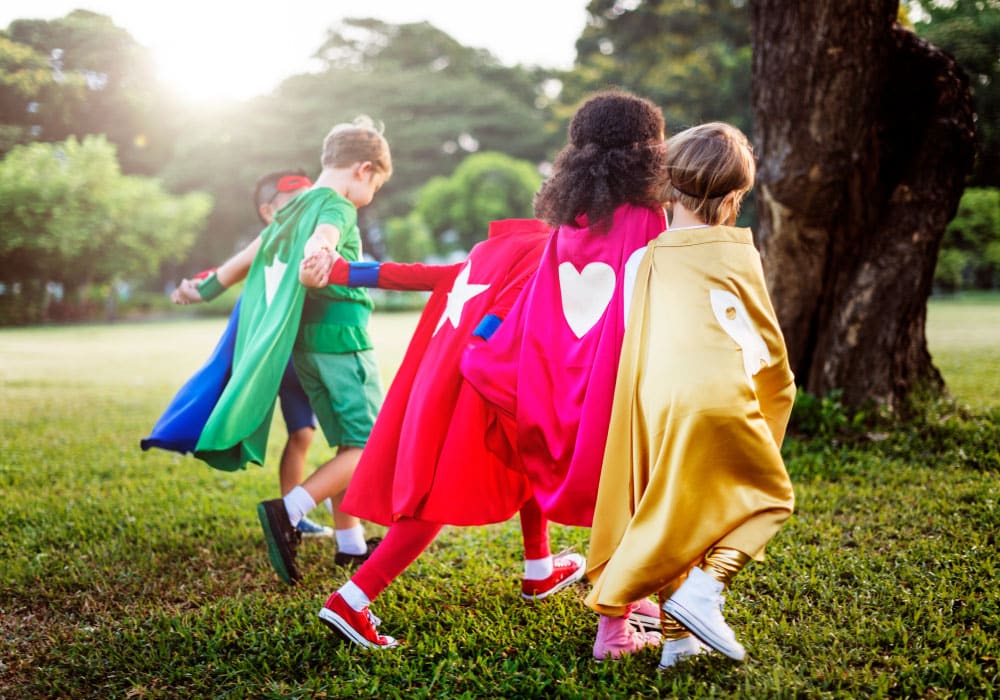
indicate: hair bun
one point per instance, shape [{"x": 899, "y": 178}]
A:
[{"x": 615, "y": 120}]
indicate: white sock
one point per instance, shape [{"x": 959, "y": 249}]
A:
[
  {"x": 298, "y": 502},
  {"x": 537, "y": 569},
  {"x": 351, "y": 540},
  {"x": 329, "y": 505},
  {"x": 354, "y": 596}
]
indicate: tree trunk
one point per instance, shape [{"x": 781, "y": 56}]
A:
[{"x": 864, "y": 134}]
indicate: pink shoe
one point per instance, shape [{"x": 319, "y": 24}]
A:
[
  {"x": 644, "y": 615},
  {"x": 615, "y": 638},
  {"x": 566, "y": 570}
]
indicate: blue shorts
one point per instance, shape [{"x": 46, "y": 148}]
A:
[{"x": 294, "y": 402}]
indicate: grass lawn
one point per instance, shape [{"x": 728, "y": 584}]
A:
[
  {"x": 963, "y": 334},
  {"x": 126, "y": 574}
]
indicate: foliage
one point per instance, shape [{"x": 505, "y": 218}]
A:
[
  {"x": 970, "y": 249},
  {"x": 439, "y": 102},
  {"x": 825, "y": 417},
  {"x": 949, "y": 272},
  {"x": 125, "y": 574},
  {"x": 25, "y": 81},
  {"x": 85, "y": 75},
  {"x": 71, "y": 218},
  {"x": 485, "y": 187},
  {"x": 408, "y": 238},
  {"x": 970, "y": 30},
  {"x": 691, "y": 58}
]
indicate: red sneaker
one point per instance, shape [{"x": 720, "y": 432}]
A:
[
  {"x": 354, "y": 626},
  {"x": 566, "y": 570}
]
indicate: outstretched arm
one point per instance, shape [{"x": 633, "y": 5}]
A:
[
  {"x": 205, "y": 287},
  {"x": 391, "y": 275}
]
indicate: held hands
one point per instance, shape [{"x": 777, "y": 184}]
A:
[
  {"x": 315, "y": 268},
  {"x": 186, "y": 293}
]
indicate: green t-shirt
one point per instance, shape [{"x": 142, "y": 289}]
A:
[{"x": 335, "y": 318}]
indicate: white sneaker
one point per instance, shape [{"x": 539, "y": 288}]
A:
[
  {"x": 697, "y": 605},
  {"x": 676, "y": 650}
]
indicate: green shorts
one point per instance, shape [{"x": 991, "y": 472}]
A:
[{"x": 345, "y": 393}]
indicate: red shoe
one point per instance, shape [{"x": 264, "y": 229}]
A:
[
  {"x": 354, "y": 626},
  {"x": 566, "y": 570}
]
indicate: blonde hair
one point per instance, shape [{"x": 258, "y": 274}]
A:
[
  {"x": 710, "y": 167},
  {"x": 356, "y": 142}
]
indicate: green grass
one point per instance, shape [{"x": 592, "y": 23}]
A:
[
  {"x": 963, "y": 335},
  {"x": 143, "y": 575}
]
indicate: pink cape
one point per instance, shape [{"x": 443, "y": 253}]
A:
[
  {"x": 426, "y": 457},
  {"x": 551, "y": 366}
]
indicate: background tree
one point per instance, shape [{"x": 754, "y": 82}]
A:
[
  {"x": 408, "y": 238},
  {"x": 439, "y": 101},
  {"x": 691, "y": 58},
  {"x": 485, "y": 187},
  {"x": 970, "y": 31},
  {"x": 25, "y": 74},
  {"x": 970, "y": 250},
  {"x": 865, "y": 136},
  {"x": 100, "y": 81},
  {"x": 70, "y": 218}
]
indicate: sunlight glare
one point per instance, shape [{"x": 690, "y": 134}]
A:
[{"x": 216, "y": 54}]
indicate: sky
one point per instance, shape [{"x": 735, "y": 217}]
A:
[{"x": 212, "y": 49}]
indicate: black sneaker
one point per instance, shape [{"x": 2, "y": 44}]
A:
[
  {"x": 345, "y": 559},
  {"x": 282, "y": 539}
]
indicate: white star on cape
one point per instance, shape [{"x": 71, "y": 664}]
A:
[
  {"x": 272, "y": 279},
  {"x": 460, "y": 293}
]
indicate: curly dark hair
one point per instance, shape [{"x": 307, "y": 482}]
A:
[{"x": 615, "y": 155}]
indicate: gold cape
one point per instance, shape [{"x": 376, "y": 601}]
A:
[{"x": 702, "y": 399}]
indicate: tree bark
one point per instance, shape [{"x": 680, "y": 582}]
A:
[{"x": 864, "y": 134}]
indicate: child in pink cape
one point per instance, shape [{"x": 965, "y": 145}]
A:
[{"x": 550, "y": 368}]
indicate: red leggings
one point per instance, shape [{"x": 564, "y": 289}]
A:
[{"x": 407, "y": 538}]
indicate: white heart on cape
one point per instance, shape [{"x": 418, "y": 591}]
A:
[{"x": 585, "y": 294}]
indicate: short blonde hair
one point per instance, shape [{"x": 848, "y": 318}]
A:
[
  {"x": 357, "y": 142},
  {"x": 710, "y": 167}
]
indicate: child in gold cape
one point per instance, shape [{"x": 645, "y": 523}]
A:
[{"x": 693, "y": 485}]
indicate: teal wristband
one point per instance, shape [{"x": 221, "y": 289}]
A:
[{"x": 210, "y": 287}]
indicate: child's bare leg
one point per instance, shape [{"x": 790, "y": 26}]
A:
[
  {"x": 278, "y": 517},
  {"x": 333, "y": 478},
  {"x": 331, "y": 481},
  {"x": 293, "y": 459}
]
